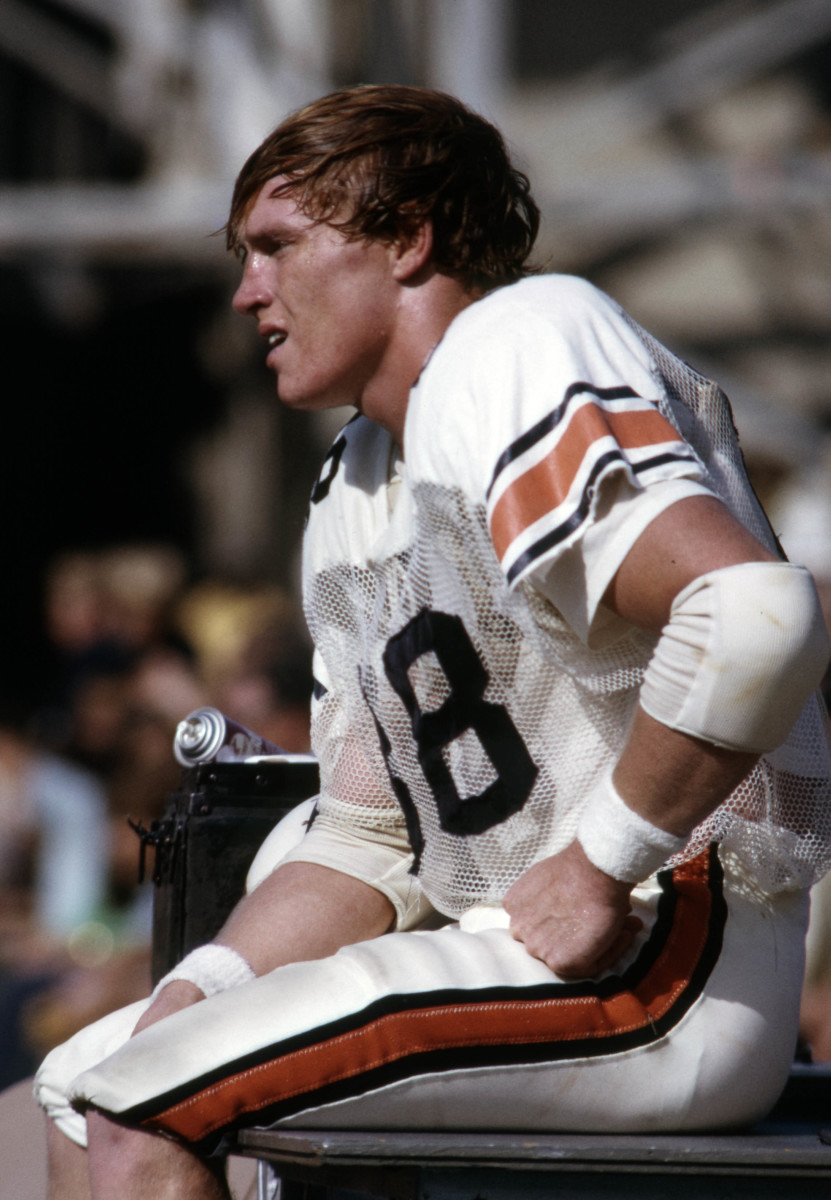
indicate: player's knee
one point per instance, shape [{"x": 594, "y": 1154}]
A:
[
  {"x": 68, "y": 1178},
  {"x": 118, "y": 1155},
  {"x": 133, "y": 1162}
]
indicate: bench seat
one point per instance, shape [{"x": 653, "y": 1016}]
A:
[{"x": 786, "y": 1157}]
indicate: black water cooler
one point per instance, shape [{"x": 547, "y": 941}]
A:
[{"x": 205, "y": 841}]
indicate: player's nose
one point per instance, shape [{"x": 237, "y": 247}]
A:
[{"x": 253, "y": 292}]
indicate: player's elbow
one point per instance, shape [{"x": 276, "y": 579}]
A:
[{"x": 743, "y": 651}]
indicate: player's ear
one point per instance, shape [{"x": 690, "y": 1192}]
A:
[{"x": 413, "y": 249}]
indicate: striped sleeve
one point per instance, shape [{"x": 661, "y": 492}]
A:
[
  {"x": 543, "y": 405},
  {"x": 543, "y": 487}
]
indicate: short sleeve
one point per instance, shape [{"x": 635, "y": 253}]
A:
[{"x": 573, "y": 453}]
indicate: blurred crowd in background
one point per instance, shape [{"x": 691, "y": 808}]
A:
[{"x": 135, "y": 647}]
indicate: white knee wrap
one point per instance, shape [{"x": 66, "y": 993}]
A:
[{"x": 744, "y": 649}]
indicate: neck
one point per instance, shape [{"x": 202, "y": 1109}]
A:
[{"x": 425, "y": 314}]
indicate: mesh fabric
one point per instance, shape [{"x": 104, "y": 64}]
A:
[{"x": 474, "y": 715}]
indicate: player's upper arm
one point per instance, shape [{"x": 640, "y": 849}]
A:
[{"x": 685, "y": 541}]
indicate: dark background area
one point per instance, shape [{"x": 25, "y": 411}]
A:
[{"x": 97, "y": 420}]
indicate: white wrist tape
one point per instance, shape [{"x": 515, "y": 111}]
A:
[
  {"x": 620, "y": 841},
  {"x": 744, "y": 649},
  {"x": 213, "y": 968}
]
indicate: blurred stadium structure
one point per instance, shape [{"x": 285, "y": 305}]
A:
[{"x": 681, "y": 151}]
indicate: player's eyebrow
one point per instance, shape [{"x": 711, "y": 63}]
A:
[{"x": 268, "y": 234}]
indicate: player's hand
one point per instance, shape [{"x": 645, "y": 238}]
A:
[
  {"x": 571, "y": 915},
  {"x": 177, "y": 995}
]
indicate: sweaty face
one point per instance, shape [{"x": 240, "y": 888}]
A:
[{"x": 324, "y": 305}]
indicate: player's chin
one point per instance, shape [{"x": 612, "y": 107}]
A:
[
  {"x": 288, "y": 396},
  {"x": 295, "y": 403},
  {"x": 305, "y": 399}
]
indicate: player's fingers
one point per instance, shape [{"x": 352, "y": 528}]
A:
[
  {"x": 620, "y": 945},
  {"x": 590, "y": 966},
  {"x": 584, "y": 965}
]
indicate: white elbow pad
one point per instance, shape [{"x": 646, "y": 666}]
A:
[{"x": 744, "y": 649}]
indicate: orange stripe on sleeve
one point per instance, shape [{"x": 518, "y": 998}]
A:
[{"x": 544, "y": 487}]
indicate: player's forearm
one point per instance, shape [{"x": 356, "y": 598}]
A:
[
  {"x": 742, "y": 645},
  {"x": 573, "y": 910},
  {"x": 303, "y": 911},
  {"x": 673, "y": 780},
  {"x": 731, "y": 673},
  {"x": 664, "y": 784}
]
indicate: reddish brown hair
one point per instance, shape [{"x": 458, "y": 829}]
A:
[{"x": 378, "y": 160}]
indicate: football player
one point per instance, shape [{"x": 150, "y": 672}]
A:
[{"x": 574, "y": 777}]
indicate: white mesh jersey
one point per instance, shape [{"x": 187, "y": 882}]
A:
[{"x": 471, "y": 685}]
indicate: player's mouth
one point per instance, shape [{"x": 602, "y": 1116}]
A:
[{"x": 274, "y": 338}]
